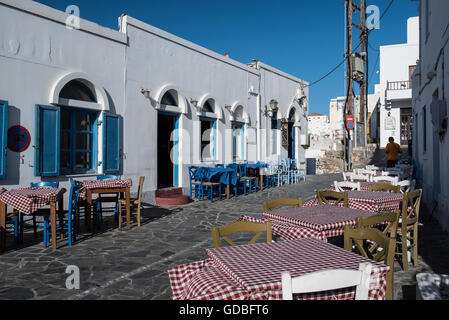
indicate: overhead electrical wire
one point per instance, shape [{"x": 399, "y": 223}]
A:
[{"x": 356, "y": 47}]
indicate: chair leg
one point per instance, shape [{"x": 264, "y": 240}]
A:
[
  {"x": 34, "y": 227},
  {"x": 415, "y": 245},
  {"x": 138, "y": 215},
  {"x": 16, "y": 231},
  {"x": 404, "y": 252},
  {"x": 120, "y": 216}
]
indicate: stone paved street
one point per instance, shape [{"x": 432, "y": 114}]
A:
[{"x": 132, "y": 264}]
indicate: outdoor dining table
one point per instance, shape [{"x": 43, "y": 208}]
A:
[
  {"x": 373, "y": 201},
  {"x": 260, "y": 176},
  {"x": 28, "y": 200},
  {"x": 226, "y": 176},
  {"x": 323, "y": 220},
  {"x": 90, "y": 187},
  {"x": 253, "y": 272}
]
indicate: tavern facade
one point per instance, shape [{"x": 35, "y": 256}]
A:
[{"x": 137, "y": 101}]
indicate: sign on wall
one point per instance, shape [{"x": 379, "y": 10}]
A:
[
  {"x": 18, "y": 139},
  {"x": 390, "y": 123}
]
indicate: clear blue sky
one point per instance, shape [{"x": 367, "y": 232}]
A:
[{"x": 303, "y": 38}]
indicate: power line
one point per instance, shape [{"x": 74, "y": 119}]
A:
[{"x": 338, "y": 65}]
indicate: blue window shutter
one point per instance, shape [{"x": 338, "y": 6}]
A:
[
  {"x": 3, "y": 137},
  {"x": 47, "y": 140},
  {"x": 111, "y": 143}
]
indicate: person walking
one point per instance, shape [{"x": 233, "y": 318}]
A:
[{"x": 392, "y": 149}]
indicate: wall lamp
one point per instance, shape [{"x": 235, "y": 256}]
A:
[
  {"x": 272, "y": 109},
  {"x": 228, "y": 107},
  {"x": 194, "y": 102},
  {"x": 145, "y": 92}
]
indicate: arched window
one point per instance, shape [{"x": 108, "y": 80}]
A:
[
  {"x": 209, "y": 106},
  {"x": 291, "y": 115},
  {"x": 78, "y": 90},
  {"x": 170, "y": 98}
]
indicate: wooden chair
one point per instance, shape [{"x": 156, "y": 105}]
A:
[
  {"x": 324, "y": 196},
  {"x": 408, "y": 227},
  {"x": 341, "y": 186},
  {"x": 362, "y": 239},
  {"x": 385, "y": 187},
  {"x": 328, "y": 280},
  {"x": 247, "y": 180},
  {"x": 135, "y": 203},
  {"x": 406, "y": 183},
  {"x": 219, "y": 233},
  {"x": 273, "y": 204}
]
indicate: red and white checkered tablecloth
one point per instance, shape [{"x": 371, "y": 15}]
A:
[
  {"x": 28, "y": 200},
  {"x": 253, "y": 272},
  {"x": 102, "y": 184},
  {"x": 327, "y": 220},
  {"x": 374, "y": 201},
  {"x": 288, "y": 231}
]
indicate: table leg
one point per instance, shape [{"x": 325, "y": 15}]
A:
[
  {"x": 261, "y": 181},
  {"x": 2, "y": 225},
  {"x": 227, "y": 190},
  {"x": 128, "y": 208},
  {"x": 61, "y": 215},
  {"x": 53, "y": 223},
  {"x": 89, "y": 210}
]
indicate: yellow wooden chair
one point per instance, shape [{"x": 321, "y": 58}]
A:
[
  {"x": 359, "y": 239},
  {"x": 324, "y": 196},
  {"x": 273, "y": 204},
  {"x": 223, "y": 232},
  {"x": 134, "y": 202},
  {"x": 408, "y": 227},
  {"x": 385, "y": 187}
]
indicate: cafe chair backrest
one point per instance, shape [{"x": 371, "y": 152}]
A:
[{"x": 330, "y": 279}]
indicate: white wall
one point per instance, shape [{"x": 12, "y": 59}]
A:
[{"x": 431, "y": 75}]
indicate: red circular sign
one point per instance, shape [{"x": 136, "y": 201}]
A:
[{"x": 18, "y": 138}]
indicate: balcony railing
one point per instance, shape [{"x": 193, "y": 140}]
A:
[{"x": 399, "y": 85}]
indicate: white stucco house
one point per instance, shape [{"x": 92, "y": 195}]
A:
[
  {"x": 397, "y": 63},
  {"x": 320, "y": 135},
  {"x": 137, "y": 101},
  {"x": 430, "y": 89}
]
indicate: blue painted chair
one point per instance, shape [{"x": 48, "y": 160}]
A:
[
  {"x": 196, "y": 186},
  {"x": 98, "y": 209},
  {"x": 70, "y": 221},
  {"x": 209, "y": 186},
  {"x": 43, "y": 212},
  {"x": 247, "y": 180},
  {"x": 12, "y": 220}
]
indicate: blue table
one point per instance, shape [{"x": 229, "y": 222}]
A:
[{"x": 225, "y": 176}]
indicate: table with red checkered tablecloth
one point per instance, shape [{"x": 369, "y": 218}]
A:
[
  {"x": 326, "y": 220},
  {"x": 364, "y": 185},
  {"x": 374, "y": 201},
  {"x": 28, "y": 200},
  {"x": 253, "y": 272},
  {"x": 107, "y": 186}
]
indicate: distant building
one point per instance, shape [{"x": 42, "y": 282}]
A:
[
  {"x": 320, "y": 135},
  {"x": 397, "y": 63},
  {"x": 430, "y": 89}
]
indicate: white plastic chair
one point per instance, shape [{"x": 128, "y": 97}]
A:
[
  {"x": 342, "y": 186},
  {"x": 331, "y": 279},
  {"x": 366, "y": 171},
  {"x": 406, "y": 183},
  {"x": 361, "y": 177},
  {"x": 390, "y": 179}
]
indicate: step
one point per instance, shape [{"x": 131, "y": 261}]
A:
[{"x": 171, "y": 197}]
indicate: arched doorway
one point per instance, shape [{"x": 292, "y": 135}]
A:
[{"x": 167, "y": 141}]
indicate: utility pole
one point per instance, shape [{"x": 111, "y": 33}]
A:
[{"x": 356, "y": 66}]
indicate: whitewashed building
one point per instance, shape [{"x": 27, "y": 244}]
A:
[
  {"x": 138, "y": 101},
  {"x": 397, "y": 63},
  {"x": 320, "y": 135},
  {"x": 430, "y": 109}
]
